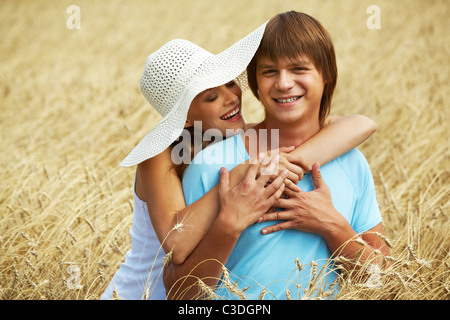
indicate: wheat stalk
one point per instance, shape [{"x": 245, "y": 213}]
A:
[{"x": 63, "y": 196}]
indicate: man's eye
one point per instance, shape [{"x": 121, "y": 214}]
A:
[
  {"x": 300, "y": 69},
  {"x": 268, "y": 72}
]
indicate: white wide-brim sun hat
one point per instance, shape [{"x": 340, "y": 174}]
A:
[{"x": 174, "y": 75}]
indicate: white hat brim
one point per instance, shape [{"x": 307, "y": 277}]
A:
[{"x": 215, "y": 71}]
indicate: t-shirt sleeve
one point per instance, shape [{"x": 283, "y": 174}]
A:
[
  {"x": 367, "y": 213},
  {"x": 198, "y": 179},
  {"x": 203, "y": 172}
]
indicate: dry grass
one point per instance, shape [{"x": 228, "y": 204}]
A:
[{"x": 71, "y": 109}]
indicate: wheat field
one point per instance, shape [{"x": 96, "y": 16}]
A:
[{"x": 71, "y": 110}]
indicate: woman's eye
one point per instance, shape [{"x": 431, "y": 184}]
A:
[{"x": 212, "y": 98}]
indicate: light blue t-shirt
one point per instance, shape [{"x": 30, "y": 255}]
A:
[{"x": 265, "y": 265}]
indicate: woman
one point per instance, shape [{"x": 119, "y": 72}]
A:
[{"x": 185, "y": 84}]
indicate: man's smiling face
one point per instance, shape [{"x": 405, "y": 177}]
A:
[{"x": 290, "y": 90}]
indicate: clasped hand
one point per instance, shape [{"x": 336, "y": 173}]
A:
[
  {"x": 269, "y": 183},
  {"x": 253, "y": 196},
  {"x": 305, "y": 211}
]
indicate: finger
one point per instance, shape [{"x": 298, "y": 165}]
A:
[
  {"x": 283, "y": 204},
  {"x": 301, "y": 162},
  {"x": 224, "y": 179},
  {"x": 272, "y": 166},
  {"x": 253, "y": 167},
  {"x": 317, "y": 176},
  {"x": 273, "y": 196},
  {"x": 275, "y": 184},
  {"x": 273, "y": 200},
  {"x": 277, "y": 227},
  {"x": 274, "y": 216},
  {"x": 267, "y": 172},
  {"x": 291, "y": 186},
  {"x": 293, "y": 177},
  {"x": 277, "y": 195},
  {"x": 295, "y": 169},
  {"x": 290, "y": 193}
]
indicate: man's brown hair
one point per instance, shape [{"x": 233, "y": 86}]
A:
[{"x": 294, "y": 35}]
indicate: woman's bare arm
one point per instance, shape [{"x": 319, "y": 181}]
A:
[
  {"x": 160, "y": 187},
  {"x": 338, "y": 136},
  {"x": 179, "y": 228}
]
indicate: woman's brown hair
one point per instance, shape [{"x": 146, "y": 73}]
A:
[{"x": 187, "y": 147}]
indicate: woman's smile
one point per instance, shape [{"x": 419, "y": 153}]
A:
[{"x": 232, "y": 115}]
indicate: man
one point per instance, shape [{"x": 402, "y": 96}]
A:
[{"x": 294, "y": 75}]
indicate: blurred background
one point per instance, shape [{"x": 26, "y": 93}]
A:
[{"x": 71, "y": 110}]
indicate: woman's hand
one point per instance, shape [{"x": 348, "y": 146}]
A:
[
  {"x": 245, "y": 203},
  {"x": 284, "y": 159},
  {"x": 306, "y": 211}
]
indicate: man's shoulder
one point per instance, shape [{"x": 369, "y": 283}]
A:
[
  {"x": 352, "y": 158},
  {"x": 355, "y": 166}
]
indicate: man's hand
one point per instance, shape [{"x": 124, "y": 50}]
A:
[
  {"x": 307, "y": 211},
  {"x": 243, "y": 204}
]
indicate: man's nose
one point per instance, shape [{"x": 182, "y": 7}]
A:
[{"x": 284, "y": 81}]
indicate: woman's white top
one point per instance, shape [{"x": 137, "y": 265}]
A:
[{"x": 140, "y": 275}]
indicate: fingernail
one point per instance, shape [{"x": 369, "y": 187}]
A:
[
  {"x": 285, "y": 172},
  {"x": 264, "y": 231},
  {"x": 260, "y": 219}
]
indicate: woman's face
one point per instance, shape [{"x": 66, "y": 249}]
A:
[{"x": 218, "y": 108}]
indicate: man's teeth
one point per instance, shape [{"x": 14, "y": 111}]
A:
[
  {"x": 287, "y": 100},
  {"x": 230, "y": 115}
]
